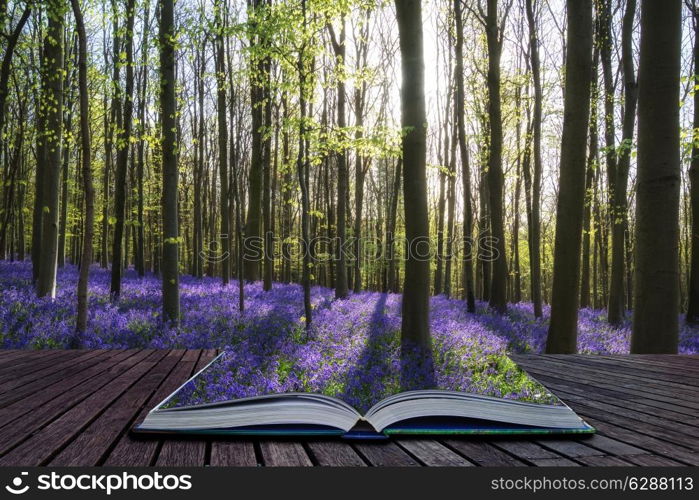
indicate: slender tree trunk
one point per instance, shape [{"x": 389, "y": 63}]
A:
[
  {"x": 656, "y": 293},
  {"x": 168, "y": 110},
  {"x": 469, "y": 293},
  {"x": 589, "y": 187},
  {"x": 562, "y": 335},
  {"x": 341, "y": 284},
  {"x": 222, "y": 144},
  {"x": 451, "y": 214},
  {"x": 619, "y": 167},
  {"x": 88, "y": 187},
  {"x": 392, "y": 279},
  {"x": 415, "y": 328},
  {"x": 693, "y": 303},
  {"x": 535, "y": 222},
  {"x": 498, "y": 289},
  {"x": 302, "y": 169},
  {"x": 257, "y": 161},
  {"x": 53, "y": 133},
  {"x": 140, "y": 163},
  {"x": 268, "y": 262},
  {"x": 123, "y": 145}
]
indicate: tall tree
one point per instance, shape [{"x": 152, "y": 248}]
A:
[
  {"x": 589, "y": 186},
  {"x": 534, "y": 239},
  {"x": 469, "y": 293},
  {"x": 495, "y": 27},
  {"x": 86, "y": 158},
  {"x": 140, "y": 160},
  {"x": 693, "y": 285},
  {"x": 224, "y": 236},
  {"x": 656, "y": 291},
  {"x": 415, "y": 327},
  {"x": 304, "y": 68},
  {"x": 341, "y": 284},
  {"x": 52, "y": 137},
  {"x": 123, "y": 149},
  {"x": 562, "y": 334},
  {"x": 168, "y": 119},
  {"x": 618, "y": 165},
  {"x": 253, "y": 225}
]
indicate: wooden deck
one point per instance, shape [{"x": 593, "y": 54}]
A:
[{"x": 76, "y": 407}]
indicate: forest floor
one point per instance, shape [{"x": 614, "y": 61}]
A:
[
  {"x": 211, "y": 319},
  {"x": 351, "y": 351}
]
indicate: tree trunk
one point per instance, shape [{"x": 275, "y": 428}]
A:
[
  {"x": 53, "y": 134},
  {"x": 693, "y": 292},
  {"x": 415, "y": 327},
  {"x": 123, "y": 145},
  {"x": 535, "y": 208},
  {"x": 224, "y": 235},
  {"x": 268, "y": 263},
  {"x": 469, "y": 293},
  {"x": 255, "y": 176},
  {"x": 656, "y": 294},
  {"x": 562, "y": 334},
  {"x": 341, "y": 284},
  {"x": 88, "y": 187},
  {"x": 168, "y": 110},
  {"x": 302, "y": 169},
  {"x": 140, "y": 162},
  {"x": 589, "y": 190},
  {"x": 498, "y": 288}
]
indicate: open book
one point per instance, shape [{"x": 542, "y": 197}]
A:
[{"x": 200, "y": 406}]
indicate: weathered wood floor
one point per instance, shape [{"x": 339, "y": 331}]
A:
[{"x": 76, "y": 407}]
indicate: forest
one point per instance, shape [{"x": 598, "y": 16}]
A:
[{"x": 442, "y": 176}]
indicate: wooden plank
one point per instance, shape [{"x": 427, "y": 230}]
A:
[
  {"x": 233, "y": 454},
  {"x": 179, "y": 453},
  {"x": 44, "y": 395},
  {"x": 652, "y": 444},
  {"x": 42, "y": 445},
  {"x": 617, "y": 380},
  {"x": 45, "y": 374},
  {"x": 30, "y": 364},
  {"x": 647, "y": 366},
  {"x": 572, "y": 390},
  {"x": 10, "y": 357},
  {"x": 89, "y": 447},
  {"x": 385, "y": 454},
  {"x": 639, "y": 371},
  {"x": 652, "y": 461},
  {"x": 569, "y": 448},
  {"x": 637, "y": 411},
  {"x": 554, "y": 462},
  {"x": 433, "y": 453},
  {"x": 547, "y": 375},
  {"x": 483, "y": 453},
  {"x": 528, "y": 451},
  {"x": 611, "y": 446},
  {"x": 131, "y": 451},
  {"x": 331, "y": 453},
  {"x": 284, "y": 454},
  {"x": 638, "y": 423},
  {"x": 190, "y": 449},
  {"x": 31, "y": 387},
  {"x": 604, "y": 461}
]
